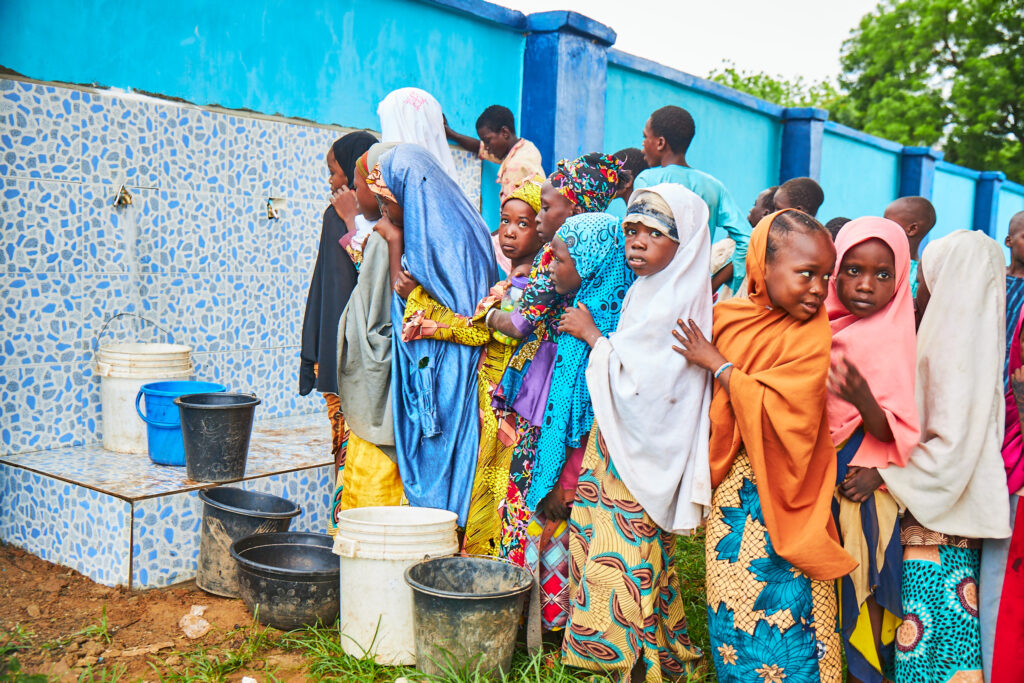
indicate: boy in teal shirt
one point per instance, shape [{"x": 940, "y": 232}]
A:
[{"x": 667, "y": 136}]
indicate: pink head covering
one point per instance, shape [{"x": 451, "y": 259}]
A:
[
  {"x": 883, "y": 347},
  {"x": 1013, "y": 442}
]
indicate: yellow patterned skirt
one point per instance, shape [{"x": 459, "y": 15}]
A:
[{"x": 767, "y": 620}]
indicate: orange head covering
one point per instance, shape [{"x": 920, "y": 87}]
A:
[
  {"x": 883, "y": 347},
  {"x": 775, "y": 409}
]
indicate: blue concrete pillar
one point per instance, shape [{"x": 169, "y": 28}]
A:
[
  {"x": 566, "y": 67},
  {"x": 986, "y": 202},
  {"x": 803, "y": 129},
  {"x": 917, "y": 171}
]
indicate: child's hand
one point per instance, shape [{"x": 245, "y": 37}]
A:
[
  {"x": 553, "y": 506},
  {"x": 522, "y": 270},
  {"x": 695, "y": 348},
  {"x": 860, "y": 483},
  {"x": 388, "y": 230},
  {"x": 578, "y": 322},
  {"x": 405, "y": 284},
  {"x": 846, "y": 382},
  {"x": 1017, "y": 383},
  {"x": 346, "y": 206}
]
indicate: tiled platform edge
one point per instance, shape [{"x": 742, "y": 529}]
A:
[
  {"x": 138, "y": 524},
  {"x": 195, "y": 252}
]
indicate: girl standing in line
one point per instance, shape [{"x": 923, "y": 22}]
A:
[
  {"x": 645, "y": 474},
  {"x": 772, "y": 552}
]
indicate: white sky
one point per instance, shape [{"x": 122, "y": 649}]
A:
[{"x": 786, "y": 37}]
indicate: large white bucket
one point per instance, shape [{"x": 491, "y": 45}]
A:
[
  {"x": 377, "y": 545},
  {"x": 123, "y": 369}
]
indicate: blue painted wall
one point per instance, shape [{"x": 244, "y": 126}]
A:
[
  {"x": 859, "y": 178},
  {"x": 953, "y": 197},
  {"x": 737, "y": 144}
]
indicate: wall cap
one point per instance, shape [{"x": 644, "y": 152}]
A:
[
  {"x": 487, "y": 11},
  {"x": 909, "y": 151},
  {"x": 706, "y": 87},
  {"x": 1015, "y": 188},
  {"x": 862, "y": 137},
  {"x": 544, "y": 22},
  {"x": 954, "y": 169},
  {"x": 992, "y": 175},
  {"x": 804, "y": 114}
]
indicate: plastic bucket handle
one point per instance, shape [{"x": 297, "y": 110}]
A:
[{"x": 165, "y": 425}]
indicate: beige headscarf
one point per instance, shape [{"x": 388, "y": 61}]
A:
[{"x": 955, "y": 473}]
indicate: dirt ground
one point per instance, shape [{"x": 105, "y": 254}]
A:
[{"x": 52, "y": 622}]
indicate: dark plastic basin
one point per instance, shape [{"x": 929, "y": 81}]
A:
[{"x": 291, "y": 577}]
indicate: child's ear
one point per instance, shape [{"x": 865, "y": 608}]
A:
[
  {"x": 1007, "y": 241},
  {"x": 913, "y": 229}
]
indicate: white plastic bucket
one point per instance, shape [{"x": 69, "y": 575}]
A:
[
  {"x": 123, "y": 369},
  {"x": 377, "y": 545}
]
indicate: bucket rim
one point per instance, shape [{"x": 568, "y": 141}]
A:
[
  {"x": 448, "y": 514},
  {"x": 440, "y": 593},
  {"x": 181, "y": 400},
  {"x": 119, "y": 348},
  {"x": 252, "y": 565},
  {"x": 172, "y": 394},
  {"x": 288, "y": 514}
]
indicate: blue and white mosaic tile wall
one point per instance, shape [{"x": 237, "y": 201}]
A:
[{"x": 195, "y": 252}]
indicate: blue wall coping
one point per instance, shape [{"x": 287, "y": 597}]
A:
[
  {"x": 542, "y": 22},
  {"x": 862, "y": 137},
  {"x": 483, "y": 10},
  {"x": 923, "y": 152},
  {"x": 805, "y": 114},
  {"x": 992, "y": 175},
  {"x": 1015, "y": 188},
  {"x": 953, "y": 169},
  {"x": 703, "y": 85}
]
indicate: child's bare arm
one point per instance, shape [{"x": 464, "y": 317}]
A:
[{"x": 466, "y": 142}]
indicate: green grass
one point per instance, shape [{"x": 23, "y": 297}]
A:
[{"x": 244, "y": 647}]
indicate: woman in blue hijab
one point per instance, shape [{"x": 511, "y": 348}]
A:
[{"x": 446, "y": 249}]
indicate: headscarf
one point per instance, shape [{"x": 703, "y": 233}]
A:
[
  {"x": 650, "y": 404},
  {"x": 775, "y": 409},
  {"x": 529, "y": 192},
  {"x": 348, "y": 148},
  {"x": 375, "y": 181},
  {"x": 413, "y": 115},
  {"x": 1013, "y": 442},
  {"x": 883, "y": 348},
  {"x": 954, "y": 482},
  {"x": 588, "y": 181},
  {"x": 361, "y": 168},
  {"x": 596, "y": 245},
  {"x": 434, "y": 383}
]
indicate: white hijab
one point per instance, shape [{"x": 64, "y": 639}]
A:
[
  {"x": 953, "y": 480},
  {"x": 651, "y": 406},
  {"x": 413, "y": 115}
]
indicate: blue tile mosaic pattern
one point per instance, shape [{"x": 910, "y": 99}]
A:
[{"x": 194, "y": 253}]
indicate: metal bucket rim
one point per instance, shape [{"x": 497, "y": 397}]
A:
[
  {"x": 205, "y": 497},
  {"x": 182, "y": 401},
  {"x": 251, "y": 565},
  {"x": 437, "y": 592}
]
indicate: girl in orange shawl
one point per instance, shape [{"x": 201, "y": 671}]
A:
[{"x": 772, "y": 551}]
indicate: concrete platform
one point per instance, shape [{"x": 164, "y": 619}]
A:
[{"x": 123, "y": 521}]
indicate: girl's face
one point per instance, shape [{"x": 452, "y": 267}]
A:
[
  {"x": 797, "y": 275},
  {"x": 866, "y": 280},
  {"x": 563, "y": 269},
  {"x": 648, "y": 251},
  {"x": 554, "y": 209},
  {"x": 517, "y": 235},
  {"x": 367, "y": 200},
  {"x": 338, "y": 180},
  {"x": 392, "y": 211}
]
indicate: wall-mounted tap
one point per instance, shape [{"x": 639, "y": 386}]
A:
[
  {"x": 123, "y": 198},
  {"x": 274, "y": 206}
]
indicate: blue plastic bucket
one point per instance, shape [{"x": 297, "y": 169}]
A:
[{"x": 162, "y": 418}]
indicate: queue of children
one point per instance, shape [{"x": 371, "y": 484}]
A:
[{"x": 846, "y": 428}]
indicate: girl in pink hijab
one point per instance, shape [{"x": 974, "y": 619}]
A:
[{"x": 874, "y": 425}]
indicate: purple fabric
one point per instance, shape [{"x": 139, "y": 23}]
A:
[
  {"x": 522, "y": 325},
  {"x": 532, "y": 398}
]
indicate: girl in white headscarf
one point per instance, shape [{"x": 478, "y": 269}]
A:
[
  {"x": 645, "y": 475},
  {"x": 413, "y": 115}
]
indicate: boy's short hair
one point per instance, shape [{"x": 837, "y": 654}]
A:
[
  {"x": 805, "y": 192},
  {"x": 496, "y": 117},
  {"x": 835, "y": 225},
  {"x": 920, "y": 207},
  {"x": 632, "y": 160},
  {"x": 675, "y": 125}
]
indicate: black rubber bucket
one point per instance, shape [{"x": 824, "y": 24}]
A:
[
  {"x": 230, "y": 514},
  {"x": 466, "y": 612},
  {"x": 288, "y": 580},
  {"x": 216, "y": 430}
]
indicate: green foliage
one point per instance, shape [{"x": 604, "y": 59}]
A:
[
  {"x": 778, "y": 89},
  {"x": 11, "y": 643},
  {"x": 941, "y": 72}
]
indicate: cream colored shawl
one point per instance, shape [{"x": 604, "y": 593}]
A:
[{"x": 954, "y": 480}]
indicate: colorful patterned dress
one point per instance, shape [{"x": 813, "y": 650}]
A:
[
  {"x": 940, "y": 637},
  {"x": 767, "y": 620},
  {"x": 624, "y": 592}
]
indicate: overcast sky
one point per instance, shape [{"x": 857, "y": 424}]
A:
[{"x": 787, "y": 37}]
